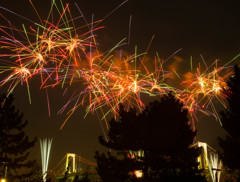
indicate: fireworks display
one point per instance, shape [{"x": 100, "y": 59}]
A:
[{"x": 61, "y": 53}]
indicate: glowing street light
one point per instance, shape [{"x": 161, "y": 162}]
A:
[{"x": 3, "y": 180}]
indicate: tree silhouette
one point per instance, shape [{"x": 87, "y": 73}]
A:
[
  {"x": 163, "y": 136},
  {"x": 231, "y": 123},
  {"x": 14, "y": 143},
  {"x": 84, "y": 177}
]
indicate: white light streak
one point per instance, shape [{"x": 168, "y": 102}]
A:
[{"x": 45, "y": 145}]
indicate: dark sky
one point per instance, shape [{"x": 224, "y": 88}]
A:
[{"x": 200, "y": 27}]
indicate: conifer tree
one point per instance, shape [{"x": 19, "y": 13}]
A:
[
  {"x": 161, "y": 134},
  {"x": 231, "y": 123},
  {"x": 14, "y": 144}
]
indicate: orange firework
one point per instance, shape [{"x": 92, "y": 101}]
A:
[{"x": 60, "y": 55}]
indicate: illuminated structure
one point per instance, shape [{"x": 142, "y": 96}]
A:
[
  {"x": 137, "y": 155},
  {"x": 67, "y": 167},
  {"x": 209, "y": 161},
  {"x": 3, "y": 172},
  {"x": 74, "y": 165},
  {"x": 45, "y": 145}
]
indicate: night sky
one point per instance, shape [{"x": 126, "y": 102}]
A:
[{"x": 201, "y": 27}]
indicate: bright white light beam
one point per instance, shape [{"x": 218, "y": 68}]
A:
[{"x": 45, "y": 145}]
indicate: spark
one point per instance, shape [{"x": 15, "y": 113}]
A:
[{"x": 62, "y": 54}]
